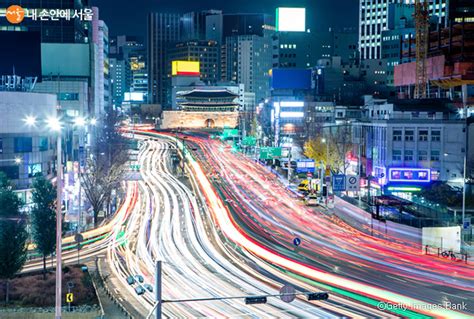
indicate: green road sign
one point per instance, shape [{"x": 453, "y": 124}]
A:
[
  {"x": 270, "y": 152},
  {"x": 230, "y": 133},
  {"x": 249, "y": 141}
]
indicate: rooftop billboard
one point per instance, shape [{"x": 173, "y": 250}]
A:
[
  {"x": 291, "y": 19},
  {"x": 296, "y": 79},
  {"x": 185, "y": 68}
]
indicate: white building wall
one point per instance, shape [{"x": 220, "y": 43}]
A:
[{"x": 14, "y": 108}]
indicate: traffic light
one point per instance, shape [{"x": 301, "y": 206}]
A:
[
  {"x": 318, "y": 296},
  {"x": 255, "y": 300}
]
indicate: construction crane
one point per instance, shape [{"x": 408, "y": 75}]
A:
[{"x": 422, "y": 28}]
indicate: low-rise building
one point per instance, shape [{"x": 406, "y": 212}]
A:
[
  {"x": 26, "y": 150},
  {"x": 406, "y": 144}
]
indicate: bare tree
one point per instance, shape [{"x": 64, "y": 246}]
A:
[
  {"x": 106, "y": 163},
  {"x": 341, "y": 138}
]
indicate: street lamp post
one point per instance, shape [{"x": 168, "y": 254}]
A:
[
  {"x": 54, "y": 124},
  {"x": 327, "y": 166},
  {"x": 58, "y": 228}
]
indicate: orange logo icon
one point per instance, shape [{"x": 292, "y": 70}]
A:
[{"x": 15, "y": 14}]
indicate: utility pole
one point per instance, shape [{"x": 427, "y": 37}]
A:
[
  {"x": 158, "y": 291},
  {"x": 289, "y": 167},
  {"x": 58, "y": 227}
]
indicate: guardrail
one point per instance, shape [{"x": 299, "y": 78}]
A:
[
  {"x": 446, "y": 254},
  {"x": 109, "y": 294}
]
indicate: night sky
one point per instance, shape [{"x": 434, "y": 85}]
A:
[{"x": 129, "y": 16}]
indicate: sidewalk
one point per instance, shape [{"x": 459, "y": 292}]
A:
[
  {"x": 130, "y": 307},
  {"x": 110, "y": 308}
]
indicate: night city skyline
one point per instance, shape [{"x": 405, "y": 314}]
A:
[{"x": 129, "y": 17}]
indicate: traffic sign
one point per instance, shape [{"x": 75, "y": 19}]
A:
[
  {"x": 287, "y": 293},
  {"x": 230, "y": 133},
  {"x": 296, "y": 241},
  {"x": 305, "y": 166},
  {"x": 249, "y": 141},
  {"x": 339, "y": 183},
  {"x": 78, "y": 238},
  {"x": 270, "y": 152},
  {"x": 69, "y": 297},
  {"x": 353, "y": 184}
]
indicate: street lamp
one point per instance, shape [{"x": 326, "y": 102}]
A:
[
  {"x": 17, "y": 160},
  {"x": 30, "y": 120},
  {"x": 324, "y": 141},
  {"x": 55, "y": 125}
]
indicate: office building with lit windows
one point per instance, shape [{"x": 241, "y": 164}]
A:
[
  {"x": 408, "y": 143},
  {"x": 374, "y": 19}
]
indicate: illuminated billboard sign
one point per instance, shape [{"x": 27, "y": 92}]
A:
[
  {"x": 185, "y": 68},
  {"x": 291, "y": 19},
  {"x": 134, "y": 97},
  {"x": 295, "y": 79},
  {"x": 413, "y": 175}
]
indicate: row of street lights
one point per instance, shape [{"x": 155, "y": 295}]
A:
[{"x": 56, "y": 125}]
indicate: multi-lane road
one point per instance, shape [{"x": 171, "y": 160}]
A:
[
  {"x": 226, "y": 229},
  {"x": 260, "y": 219},
  {"x": 171, "y": 222}
]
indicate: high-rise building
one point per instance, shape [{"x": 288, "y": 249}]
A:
[
  {"x": 246, "y": 24},
  {"x": 373, "y": 19},
  {"x": 248, "y": 59},
  {"x": 461, "y": 10},
  {"x": 100, "y": 43},
  {"x": 163, "y": 30},
  {"x": 197, "y": 25},
  {"x": 63, "y": 31},
  {"x": 118, "y": 79},
  {"x": 206, "y": 52},
  {"x": 304, "y": 49},
  {"x": 248, "y": 51},
  {"x": 131, "y": 73},
  {"x": 400, "y": 37}
]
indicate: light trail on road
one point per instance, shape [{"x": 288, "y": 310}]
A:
[
  {"x": 266, "y": 209},
  {"x": 170, "y": 223}
]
